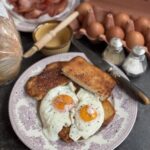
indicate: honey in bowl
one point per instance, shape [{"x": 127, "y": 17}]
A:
[{"x": 59, "y": 44}]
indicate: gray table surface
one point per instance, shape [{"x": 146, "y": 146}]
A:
[{"x": 138, "y": 139}]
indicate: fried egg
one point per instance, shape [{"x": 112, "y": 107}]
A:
[
  {"x": 88, "y": 116},
  {"x": 55, "y": 110}
]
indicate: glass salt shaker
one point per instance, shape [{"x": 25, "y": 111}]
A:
[
  {"x": 136, "y": 63},
  {"x": 114, "y": 52}
]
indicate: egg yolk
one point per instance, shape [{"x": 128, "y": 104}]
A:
[
  {"x": 87, "y": 113},
  {"x": 62, "y": 102}
]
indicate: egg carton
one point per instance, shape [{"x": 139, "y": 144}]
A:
[{"x": 132, "y": 30}]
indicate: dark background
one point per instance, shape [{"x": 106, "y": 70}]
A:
[{"x": 138, "y": 139}]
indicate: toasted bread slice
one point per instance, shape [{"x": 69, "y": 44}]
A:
[
  {"x": 49, "y": 78},
  {"x": 109, "y": 112},
  {"x": 89, "y": 77}
]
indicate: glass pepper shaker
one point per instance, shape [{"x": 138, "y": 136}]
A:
[
  {"x": 114, "y": 52},
  {"x": 136, "y": 63}
]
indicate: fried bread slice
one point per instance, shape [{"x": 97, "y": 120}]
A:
[
  {"x": 37, "y": 86},
  {"x": 89, "y": 76},
  {"x": 109, "y": 113}
]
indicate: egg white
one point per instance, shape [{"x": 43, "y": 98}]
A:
[
  {"x": 53, "y": 120},
  {"x": 80, "y": 128}
]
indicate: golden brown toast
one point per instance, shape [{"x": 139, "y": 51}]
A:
[
  {"x": 89, "y": 77},
  {"x": 49, "y": 78},
  {"x": 109, "y": 113}
]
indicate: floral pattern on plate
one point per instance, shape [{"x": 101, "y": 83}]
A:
[{"x": 24, "y": 116}]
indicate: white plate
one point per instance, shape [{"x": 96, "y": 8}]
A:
[
  {"x": 25, "y": 120},
  {"x": 28, "y": 25}
]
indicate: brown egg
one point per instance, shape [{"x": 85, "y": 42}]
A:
[
  {"x": 121, "y": 19},
  {"x": 114, "y": 32},
  {"x": 141, "y": 24},
  {"x": 95, "y": 29},
  {"x": 134, "y": 38},
  {"x": 83, "y": 8}
]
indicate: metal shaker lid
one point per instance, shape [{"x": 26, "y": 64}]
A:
[
  {"x": 116, "y": 43},
  {"x": 139, "y": 50}
]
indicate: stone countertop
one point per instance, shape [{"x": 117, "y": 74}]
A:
[{"x": 138, "y": 138}]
